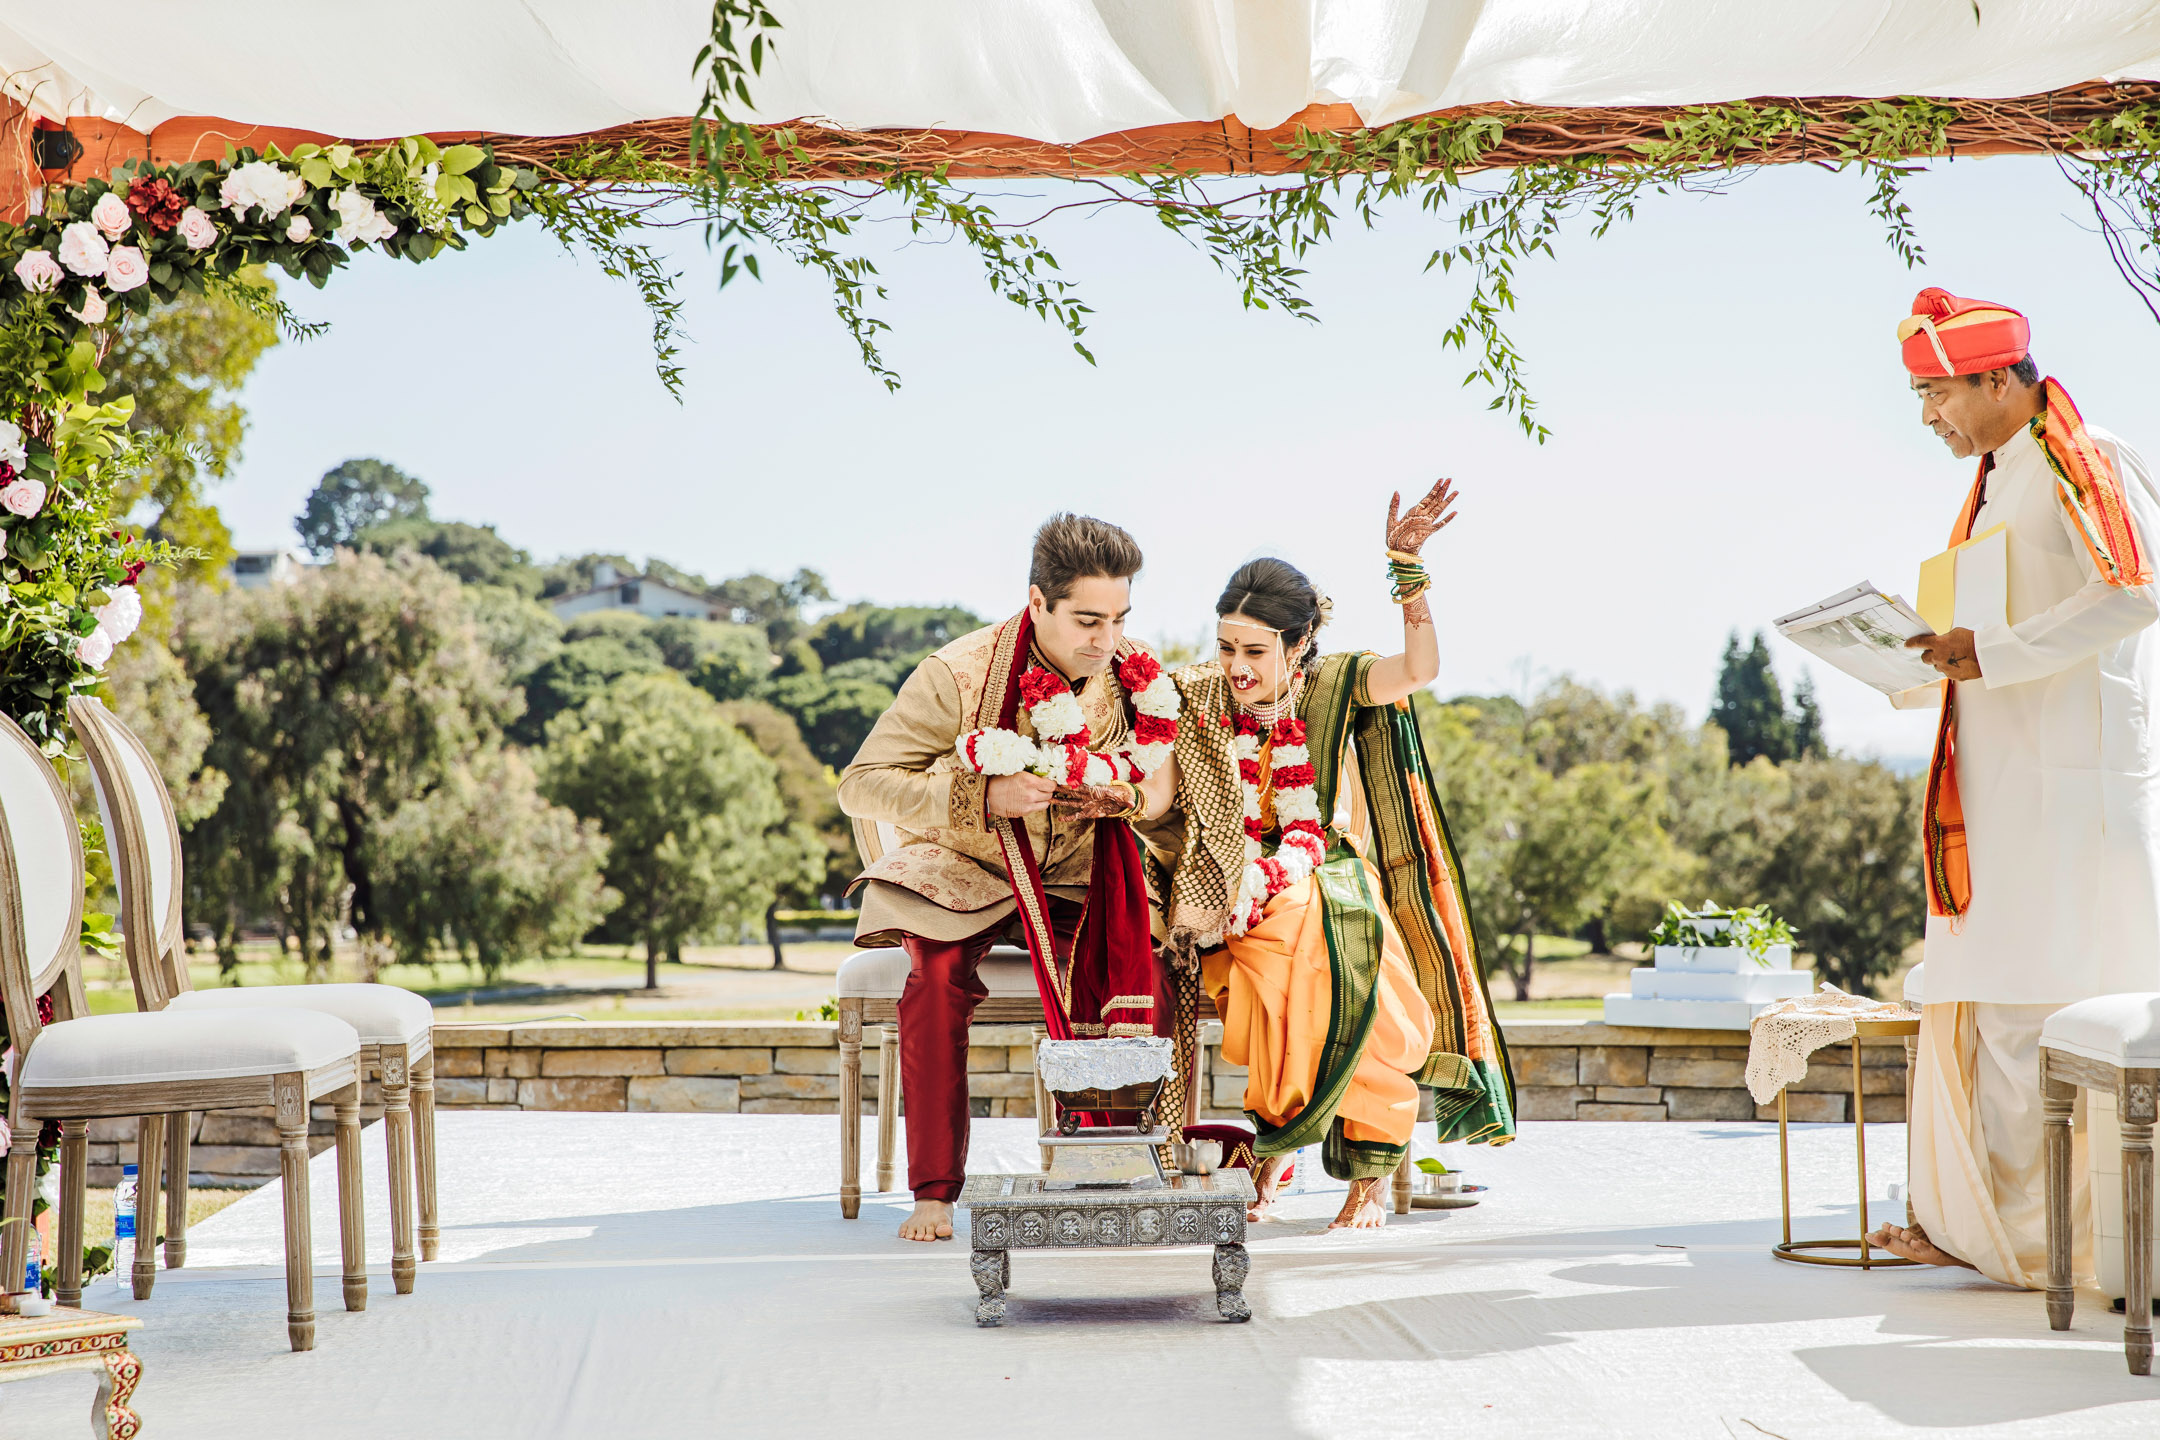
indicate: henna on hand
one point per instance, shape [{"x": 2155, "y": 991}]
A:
[
  {"x": 1093, "y": 802},
  {"x": 1425, "y": 519},
  {"x": 1417, "y": 614}
]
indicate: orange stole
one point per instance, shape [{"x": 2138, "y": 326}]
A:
[
  {"x": 1274, "y": 987},
  {"x": 2092, "y": 496}
]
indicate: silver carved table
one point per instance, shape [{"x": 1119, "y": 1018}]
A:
[{"x": 1018, "y": 1212}]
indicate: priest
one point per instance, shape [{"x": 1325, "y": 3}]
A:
[
  {"x": 1011, "y": 764},
  {"x": 2041, "y": 854}
]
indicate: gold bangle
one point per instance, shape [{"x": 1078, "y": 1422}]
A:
[
  {"x": 1140, "y": 803},
  {"x": 1401, "y": 559}
]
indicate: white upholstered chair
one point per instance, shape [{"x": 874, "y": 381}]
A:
[
  {"x": 2110, "y": 1044},
  {"x": 396, "y": 1027},
  {"x": 82, "y": 1067}
]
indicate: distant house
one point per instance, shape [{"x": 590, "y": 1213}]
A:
[
  {"x": 257, "y": 569},
  {"x": 654, "y": 599}
]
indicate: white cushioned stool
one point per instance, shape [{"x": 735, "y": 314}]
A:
[
  {"x": 2110, "y": 1044},
  {"x": 869, "y": 985}
]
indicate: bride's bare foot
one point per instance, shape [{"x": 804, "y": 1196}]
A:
[
  {"x": 1910, "y": 1242},
  {"x": 1362, "y": 1208},
  {"x": 1266, "y": 1177},
  {"x": 931, "y": 1220}
]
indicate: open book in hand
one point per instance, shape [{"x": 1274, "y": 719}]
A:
[{"x": 1863, "y": 633}]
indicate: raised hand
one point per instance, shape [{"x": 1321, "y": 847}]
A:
[{"x": 1425, "y": 519}]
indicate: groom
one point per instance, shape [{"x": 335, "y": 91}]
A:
[{"x": 983, "y": 853}]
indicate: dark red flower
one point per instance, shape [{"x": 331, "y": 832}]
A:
[
  {"x": 7, "y": 472},
  {"x": 1038, "y": 685},
  {"x": 1138, "y": 670},
  {"x": 154, "y": 199},
  {"x": 1247, "y": 725},
  {"x": 1249, "y": 771},
  {"x": 1290, "y": 731},
  {"x": 135, "y": 569},
  {"x": 1154, "y": 729},
  {"x": 1290, "y": 777}
]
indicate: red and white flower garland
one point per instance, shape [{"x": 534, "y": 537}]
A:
[
  {"x": 1297, "y": 811},
  {"x": 1060, "y": 749}
]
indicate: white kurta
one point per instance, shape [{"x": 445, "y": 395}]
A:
[{"x": 2058, "y": 760}]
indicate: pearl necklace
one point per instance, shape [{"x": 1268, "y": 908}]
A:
[{"x": 1273, "y": 710}]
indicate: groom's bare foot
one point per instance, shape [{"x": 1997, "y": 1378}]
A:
[
  {"x": 1910, "y": 1242},
  {"x": 1266, "y": 1177},
  {"x": 1361, "y": 1208},
  {"x": 931, "y": 1220}
]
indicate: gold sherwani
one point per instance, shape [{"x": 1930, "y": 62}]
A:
[{"x": 942, "y": 876}]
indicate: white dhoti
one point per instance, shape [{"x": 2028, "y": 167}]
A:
[{"x": 1976, "y": 1153}]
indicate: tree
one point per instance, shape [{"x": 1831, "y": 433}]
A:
[
  {"x": 356, "y": 497},
  {"x": 473, "y": 553},
  {"x": 331, "y": 702},
  {"x": 185, "y": 364},
  {"x": 1750, "y": 708},
  {"x": 699, "y": 835},
  {"x": 809, "y": 790},
  {"x": 574, "y": 674},
  {"x": 521, "y": 634},
  {"x": 152, "y": 695},
  {"x": 834, "y": 709},
  {"x": 1847, "y": 871},
  {"x": 774, "y": 605},
  {"x": 685, "y": 644},
  {"x": 1807, "y": 734},
  {"x": 483, "y": 862},
  {"x": 736, "y": 667},
  {"x": 575, "y": 573},
  {"x": 878, "y": 632}
]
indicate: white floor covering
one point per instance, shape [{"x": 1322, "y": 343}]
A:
[{"x": 648, "y": 1275}]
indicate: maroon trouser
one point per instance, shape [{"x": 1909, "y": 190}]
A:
[{"x": 936, "y": 1004}]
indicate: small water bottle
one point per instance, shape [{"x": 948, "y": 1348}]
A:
[
  {"x": 34, "y": 1264},
  {"x": 124, "y": 1224},
  {"x": 1301, "y": 1172}
]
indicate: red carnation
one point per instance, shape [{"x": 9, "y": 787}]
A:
[
  {"x": 1277, "y": 877},
  {"x": 1154, "y": 729},
  {"x": 1247, "y": 725},
  {"x": 1038, "y": 685},
  {"x": 1138, "y": 670},
  {"x": 1291, "y": 777},
  {"x": 1249, "y": 771},
  {"x": 134, "y": 569},
  {"x": 7, "y": 472},
  {"x": 155, "y": 200},
  {"x": 1290, "y": 731}
]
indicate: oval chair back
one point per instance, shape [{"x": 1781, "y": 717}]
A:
[
  {"x": 41, "y": 888},
  {"x": 143, "y": 837}
]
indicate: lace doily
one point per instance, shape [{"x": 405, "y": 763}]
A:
[{"x": 1783, "y": 1036}]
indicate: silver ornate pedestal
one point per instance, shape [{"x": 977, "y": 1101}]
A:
[{"x": 1017, "y": 1212}]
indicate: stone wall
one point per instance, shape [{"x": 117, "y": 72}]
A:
[{"x": 1564, "y": 1070}]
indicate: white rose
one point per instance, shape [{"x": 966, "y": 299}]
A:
[
  {"x": 110, "y": 214},
  {"x": 12, "y": 449},
  {"x": 93, "y": 310},
  {"x": 39, "y": 272},
  {"x": 126, "y": 269},
  {"x": 83, "y": 249},
  {"x": 94, "y": 649},
  {"x": 358, "y": 219},
  {"x": 119, "y": 616},
  {"x": 262, "y": 185},
  {"x": 300, "y": 229},
  {"x": 24, "y": 497},
  {"x": 197, "y": 228}
]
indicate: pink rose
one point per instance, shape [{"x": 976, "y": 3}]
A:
[
  {"x": 126, "y": 269},
  {"x": 24, "y": 497},
  {"x": 93, "y": 309},
  {"x": 83, "y": 249},
  {"x": 94, "y": 649},
  {"x": 197, "y": 228},
  {"x": 38, "y": 271},
  {"x": 111, "y": 215}
]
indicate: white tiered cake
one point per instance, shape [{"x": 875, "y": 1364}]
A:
[{"x": 1707, "y": 987}]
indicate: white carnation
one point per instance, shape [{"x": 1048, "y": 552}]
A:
[
  {"x": 1058, "y": 716},
  {"x": 1159, "y": 699},
  {"x": 997, "y": 752}
]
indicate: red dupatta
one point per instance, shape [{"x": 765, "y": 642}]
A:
[
  {"x": 1107, "y": 986},
  {"x": 2092, "y": 497}
]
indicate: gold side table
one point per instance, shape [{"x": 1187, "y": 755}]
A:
[
  {"x": 1796, "y": 1250},
  {"x": 78, "y": 1340}
]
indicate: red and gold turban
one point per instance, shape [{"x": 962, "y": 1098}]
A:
[{"x": 1949, "y": 335}]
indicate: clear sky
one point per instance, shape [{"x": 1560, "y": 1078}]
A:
[{"x": 1733, "y": 437}]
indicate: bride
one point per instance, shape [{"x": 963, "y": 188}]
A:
[{"x": 1318, "y": 887}]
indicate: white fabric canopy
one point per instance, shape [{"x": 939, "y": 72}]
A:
[{"x": 1052, "y": 70}]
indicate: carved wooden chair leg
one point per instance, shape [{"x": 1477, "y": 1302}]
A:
[
  {"x": 74, "y": 1163},
  {"x": 398, "y": 1149},
  {"x": 352, "y": 1203},
  {"x": 149, "y": 1173},
  {"x": 21, "y": 1191},
  {"x": 2137, "y": 1183},
  {"x": 1402, "y": 1185},
  {"x": 292, "y": 1123},
  {"x": 423, "y": 1112},
  {"x": 1043, "y": 1118},
  {"x": 850, "y": 1108},
  {"x": 177, "y": 1159},
  {"x": 2057, "y": 1098},
  {"x": 888, "y": 1105}
]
